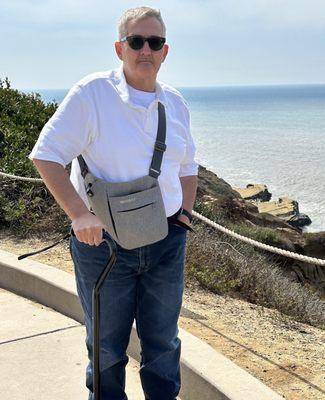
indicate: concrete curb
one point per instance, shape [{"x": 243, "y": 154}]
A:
[{"x": 206, "y": 374}]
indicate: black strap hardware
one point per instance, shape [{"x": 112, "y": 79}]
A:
[
  {"x": 88, "y": 190},
  {"x": 160, "y": 146}
]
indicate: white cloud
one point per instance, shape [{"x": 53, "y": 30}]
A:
[
  {"x": 50, "y": 12},
  {"x": 270, "y": 13},
  {"x": 276, "y": 13}
]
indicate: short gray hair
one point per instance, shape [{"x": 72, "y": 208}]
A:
[{"x": 136, "y": 14}]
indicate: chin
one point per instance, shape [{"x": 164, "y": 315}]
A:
[
  {"x": 146, "y": 72},
  {"x": 145, "y": 67}
]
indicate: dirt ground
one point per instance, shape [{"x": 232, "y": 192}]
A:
[{"x": 287, "y": 356}]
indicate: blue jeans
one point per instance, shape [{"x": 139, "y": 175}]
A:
[{"x": 147, "y": 284}]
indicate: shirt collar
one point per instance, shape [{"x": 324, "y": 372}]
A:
[{"x": 123, "y": 90}]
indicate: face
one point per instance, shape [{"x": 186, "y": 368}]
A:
[{"x": 144, "y": 63}]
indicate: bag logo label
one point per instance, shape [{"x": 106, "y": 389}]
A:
[{"x": 127, "y": 201}]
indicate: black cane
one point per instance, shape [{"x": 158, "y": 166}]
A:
[
  {"x": 95, "y": 304},
  {"x": 96, "y": 315}
]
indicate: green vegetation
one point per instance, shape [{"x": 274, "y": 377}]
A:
[
  {"x": 25, "y": 207},
  {"x": 261, "y": 234}
]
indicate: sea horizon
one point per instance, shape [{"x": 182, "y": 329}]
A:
[{"x": 243, "y": 85}]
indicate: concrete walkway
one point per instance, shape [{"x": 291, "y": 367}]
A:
[
  {"x": 43, "y": 354},
  {"x": 26, "y": 364}
]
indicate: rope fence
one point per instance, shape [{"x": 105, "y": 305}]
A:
[
  {"x": 20, "y": 178},
  {"x": 272, "y": 249}
]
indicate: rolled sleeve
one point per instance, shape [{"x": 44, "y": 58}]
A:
[
  {"x": 188, "y": 165},
  {"x": 67, "y": 132}
]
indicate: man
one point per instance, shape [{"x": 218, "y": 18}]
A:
[{"x": 111, "y": 119}]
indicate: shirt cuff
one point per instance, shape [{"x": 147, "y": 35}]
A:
[
  {"x": 188, "y": 169},
  {"x": 47, "y": 157}
]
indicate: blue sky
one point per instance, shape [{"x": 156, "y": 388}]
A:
[{"x": 54, "y": 43}]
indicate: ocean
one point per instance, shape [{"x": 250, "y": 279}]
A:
[{"x": 274, "y": 135}]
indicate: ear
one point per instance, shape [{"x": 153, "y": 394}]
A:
[
  {"x": 165, "y": 51},
  {"x": 118, "y": 50}
]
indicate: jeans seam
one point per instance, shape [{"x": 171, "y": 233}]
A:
[{"x": 137, "y": 311}]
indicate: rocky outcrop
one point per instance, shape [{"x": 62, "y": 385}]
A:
[
  {"x": 285, "y": 209},
  {"x": 254, "y": 192},
  {"x": 313, "y": 245}
]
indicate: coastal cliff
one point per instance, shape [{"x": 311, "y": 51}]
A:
[{"x": 227, "y": 202}]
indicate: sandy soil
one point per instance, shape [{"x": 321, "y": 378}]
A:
[{"x": 285, "y": 355}]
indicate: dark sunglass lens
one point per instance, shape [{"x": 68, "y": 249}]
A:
[
  {"x": 135, "y": 42},
  {"x": 156, "y": 43}
]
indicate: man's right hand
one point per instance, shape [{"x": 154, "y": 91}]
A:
[{"x": 88, "y": 229}]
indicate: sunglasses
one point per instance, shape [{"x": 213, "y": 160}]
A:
[{"x": 136, "y": 42}]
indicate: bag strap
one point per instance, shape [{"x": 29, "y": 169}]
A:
[
  {"x": 83, "y": 166},
  {"x": 67, "y": 236},
  {"x": 160, "y": 147},
  {"x": 45, "y": 248}
]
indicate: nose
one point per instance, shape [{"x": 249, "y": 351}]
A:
[{"x": 145, "y": 49}]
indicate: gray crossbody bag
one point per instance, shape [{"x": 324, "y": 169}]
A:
[{"x": 133, "y": 212}]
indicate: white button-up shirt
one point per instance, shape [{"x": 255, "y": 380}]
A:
[{"x": 116, "y": 137}]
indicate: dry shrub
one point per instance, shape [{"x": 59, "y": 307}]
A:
[{"x": 225, "y": 265}]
